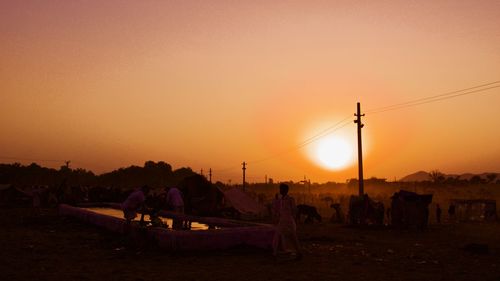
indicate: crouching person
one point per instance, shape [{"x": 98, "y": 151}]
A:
[{"x": 135, "y": 202}]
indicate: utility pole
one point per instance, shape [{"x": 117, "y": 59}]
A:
[
  {"x": 308, "y": 183},
  {"x": 210, "y": 175},
  {"x": 201, "y": 172},
  {"x": 244, "y": 169},
  {"x": 360, "y": 149}
]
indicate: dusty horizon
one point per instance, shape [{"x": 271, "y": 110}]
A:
[
  {"x": 256, "y": 180},
  {"x": 210, "y": 85}
]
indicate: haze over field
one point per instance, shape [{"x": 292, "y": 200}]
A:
[{"x": 210, "y": 84}]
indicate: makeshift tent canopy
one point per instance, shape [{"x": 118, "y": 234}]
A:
[
  {"x": 409, "y": 209},
  {"x": 10, "y": 195},
  {"x": 475, "y": 210},
  {"x": 243, "y": 203}
]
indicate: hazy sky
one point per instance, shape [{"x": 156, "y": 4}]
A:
[{"x": 210, "y": 84}]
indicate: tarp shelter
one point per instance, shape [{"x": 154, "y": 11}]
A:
[
  {"x": 10, "y": 195},
  {"x": 475, "y": 210},
  {"x": 409, "y": 209},
  {"x": 243, "y": 203}
]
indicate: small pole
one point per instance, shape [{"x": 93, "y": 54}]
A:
[
  {"x": 210, "y": 175},
  {"x": 201, "y": 172},
  {"x": 244, "y": 169},
  {"x": 360, "y": 149}
]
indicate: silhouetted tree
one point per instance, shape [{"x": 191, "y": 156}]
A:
[
  {"x": 437, "y": 176},
  {"x": 476, "y": 180},
  {"x": 491, "y": 178}
]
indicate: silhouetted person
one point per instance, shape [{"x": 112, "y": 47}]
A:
[
  {"x": 175, "y": 203},
  {"x": 438, "y": 213},
  {"x": 286, "y": 229},
  {"x": 388, "y": 214},
  {"x": 275, "y": 208},
  {"x": 135, "y": 202},
  {"x": 36, "y": 193},
  {"x": 451, "y": 212}
]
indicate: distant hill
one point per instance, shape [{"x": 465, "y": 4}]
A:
[
  {"x": 426, "y": 176},
  {"x": 418, "y": 176}
]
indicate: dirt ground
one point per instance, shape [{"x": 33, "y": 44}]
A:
[{"x": 49, "y": 247}]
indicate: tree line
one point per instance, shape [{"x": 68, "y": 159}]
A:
[{"x": 155, "y": 174}]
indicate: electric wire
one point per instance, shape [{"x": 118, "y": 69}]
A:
[
  {"x": 444, "y": 96},
  {"x": 343, "y": 123}
]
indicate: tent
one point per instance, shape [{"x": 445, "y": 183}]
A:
[
  {"x": 10, "y": 195},
  {"x": 245, "y": 205},
  {"x": 475, "y": 210},
  {"x": 409, "y": 209}
]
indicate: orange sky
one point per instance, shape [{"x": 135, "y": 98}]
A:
[{"x": 209, "y": 84}]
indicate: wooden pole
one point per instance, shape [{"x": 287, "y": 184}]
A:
[
  {"x": 360, "y": 149},
  {"x": 244, "y": 169}
]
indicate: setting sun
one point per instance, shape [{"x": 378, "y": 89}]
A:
[{"x": 333, "y": 153}]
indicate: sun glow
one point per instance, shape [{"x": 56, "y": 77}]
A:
[{"x": 333, "y": 153}]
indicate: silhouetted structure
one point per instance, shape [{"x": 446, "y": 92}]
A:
[
  {"x": 410, "y": 209},
  {"x": 10, "y": 195},
  {"x": 239, "y": 204},
  {"x": 475, "y": 210},
  {"x": 360, "y": 148}
]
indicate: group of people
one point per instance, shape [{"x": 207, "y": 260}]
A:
[
  {"x": 284, "y": 214},
  {"x": 136, "y": 202}
]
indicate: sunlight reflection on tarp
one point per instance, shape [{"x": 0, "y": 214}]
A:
[{"x": 119, "y": 214}]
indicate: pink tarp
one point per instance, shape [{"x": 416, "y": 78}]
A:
[
  {"x": 242, "y": 202},
  {"x": 257, "y": 235}
]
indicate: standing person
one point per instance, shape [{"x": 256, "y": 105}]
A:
[
  {"x": 135, "y": 202},
  {"x": 388, "y": 214},
  {"x": 275, "y": 208},
  {"x": 36, "y": 193},
  {"x": 438, "y": 213},
  {"x": 176, "y": 203},
  {"x": 286, "y": 229},
  {"x": 451, "y": 212}
]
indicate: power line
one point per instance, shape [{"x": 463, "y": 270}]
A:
[
  {"x": 337, "y": 126},
  {"x": 444, "y": 96},
  {"x": 344, "y": 122},
  {"x": 308, "y": 141}
]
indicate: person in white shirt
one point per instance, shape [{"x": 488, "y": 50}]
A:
[
  {"x": 175, "y": 203},
  {"x": 174, "y": 199},
  {"x": 286, "y": 229}
]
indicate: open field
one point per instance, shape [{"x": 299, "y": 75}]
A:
[{"x": 50, "y": 247}]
